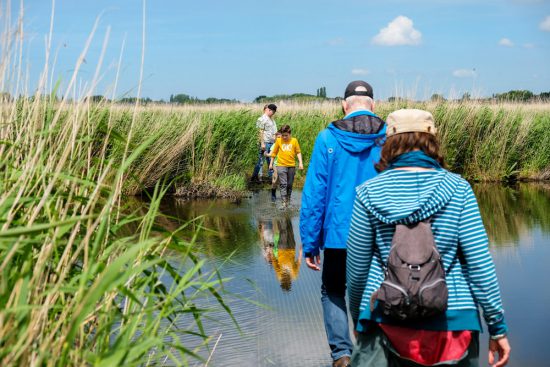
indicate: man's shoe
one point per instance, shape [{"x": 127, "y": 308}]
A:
[{"x": 342, "y": 362}]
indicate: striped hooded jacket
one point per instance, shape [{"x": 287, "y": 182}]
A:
[{"x": 400, "y": 196}]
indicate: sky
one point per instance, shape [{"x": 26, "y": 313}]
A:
[{"x": 244, "y": 49}]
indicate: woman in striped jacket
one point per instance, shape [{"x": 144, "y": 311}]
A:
[{"x": 413, "y": 186}]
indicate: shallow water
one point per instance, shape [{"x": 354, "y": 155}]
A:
[{"x": 258, "y": 246}]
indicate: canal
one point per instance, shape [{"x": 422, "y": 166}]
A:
[{"x": 275, "y": 298}]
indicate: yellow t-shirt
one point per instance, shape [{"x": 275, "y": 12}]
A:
[{"x": 286, "y": 152}]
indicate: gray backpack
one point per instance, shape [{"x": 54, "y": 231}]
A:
[{"x": 414, "y": 285}]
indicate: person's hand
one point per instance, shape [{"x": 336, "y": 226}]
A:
[
  {"x": 262, "y": 146},
  {"x": 271, "y": 167},
  {"x": 300, "y": 166},
  {"x": 314, "y": 262},
  {"x": 502, "y": 347}
]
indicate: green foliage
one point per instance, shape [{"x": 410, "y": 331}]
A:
[
  {"x": 294, "y": 98},
  {"x": 515, "y": 96},
  {"x": 322, "y": 92},
  {"x": 186, "y": 99},
  {"x": 85, "y": 280},
  {"x": 201, "y": 146},
  {"x": 437, "y": 97}
]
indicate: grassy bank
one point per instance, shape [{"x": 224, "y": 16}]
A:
[
  {"x": 83, "y": 279},
  {"x": 212, "y": 150}
]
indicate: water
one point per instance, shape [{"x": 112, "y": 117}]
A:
[{"x": 258, "y": 245}]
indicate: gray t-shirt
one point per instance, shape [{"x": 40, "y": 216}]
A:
[{"x": 269, "y": 128}]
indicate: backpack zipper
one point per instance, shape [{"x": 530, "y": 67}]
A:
[
  {"x": 395, "y": 286},
  {"x": 429, "y": 286}
]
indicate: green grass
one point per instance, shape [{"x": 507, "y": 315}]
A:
[
  {"x": 83, "y": 279},
  {"x": 213, "y": 148}
]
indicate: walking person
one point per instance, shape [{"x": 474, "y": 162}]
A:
[
  {"x": 274, "y": 175},
  {"x": 286, "y": 149},
  {"x": 343, "y": 157},
  {"x": 266, "y": 134},
  {"x": 412, "y": 217}
]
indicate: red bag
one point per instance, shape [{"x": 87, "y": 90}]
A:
[{"x": 427, "y": 347}]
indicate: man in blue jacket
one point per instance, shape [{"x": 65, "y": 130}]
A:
[{"x": 343, "y": 157}]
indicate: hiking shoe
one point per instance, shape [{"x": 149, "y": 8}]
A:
[{"x": 342, "y": 362}]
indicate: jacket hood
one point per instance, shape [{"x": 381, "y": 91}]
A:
[
  {"x": 407, "y": 197},
  {"x": 358, "y": 132}
]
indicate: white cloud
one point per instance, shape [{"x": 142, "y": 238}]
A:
[
  {"x": 359, "y": 71},
  {"x": 399, "y": 32},
  {"x": 464, "y": 73},
  {"x": 545, "y": 24},
  {"x": 506, "y": 42},
  {"x": 335, "y": 41}
]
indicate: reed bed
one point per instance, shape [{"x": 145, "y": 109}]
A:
[
  {"x": 212, "y": 149},
  {"x": 84, "y": 278}
]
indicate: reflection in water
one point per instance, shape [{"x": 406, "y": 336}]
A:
[
  {"x": 509, "y": 212},
  {"x": 279, "y": 249},
  {"x": 289, "y": 331},
  {"x": 218, "y": 226}
]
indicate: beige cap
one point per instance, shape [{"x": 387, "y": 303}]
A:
[{"x": 410, "y": 120}]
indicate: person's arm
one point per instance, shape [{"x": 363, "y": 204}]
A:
[
  {"x": 260, "y": 124},
  {"x": 474, "y": 245},
  {"x": 274, "y": 152},
  {"x": 299, "y": 155},
  {"x": 314, "y": 197},
  {"x": 262, "y": 142},
  {"x": 359, "y": 256}
]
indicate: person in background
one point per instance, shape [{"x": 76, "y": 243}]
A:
[
  {"x": 414, "y": 187},
  {"x": 274, "y": 175},
  {"x": 286, "y": 149},
  {"x": 343, "y": 157},
  {"x": 266, "y": 133}
]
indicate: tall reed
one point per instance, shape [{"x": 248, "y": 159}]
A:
[
  {"x": 84, "y": 280},
  {"x": 215, "y": 146}
]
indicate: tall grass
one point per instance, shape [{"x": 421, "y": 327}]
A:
[
  {"x": 83, "y": 279},
  {"x": 212, "y": 149}
]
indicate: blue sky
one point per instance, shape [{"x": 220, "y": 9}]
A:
[{"x": 243, "y": 49}]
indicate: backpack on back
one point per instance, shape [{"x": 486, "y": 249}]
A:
[{"x": 414, "y": 285}]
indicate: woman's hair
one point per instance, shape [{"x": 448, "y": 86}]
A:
[
  {"x": 286, "y": 129},
  {"x": 398, "y": 144}
]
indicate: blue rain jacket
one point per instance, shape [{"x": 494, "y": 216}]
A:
[{"x": 341, "y": 160}]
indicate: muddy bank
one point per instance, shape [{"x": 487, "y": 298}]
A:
[{"x": 207, "y": 191}]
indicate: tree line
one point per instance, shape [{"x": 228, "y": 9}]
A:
[
  {"x": 510, "y": 96},
  {"x": 321, "y": 95}
]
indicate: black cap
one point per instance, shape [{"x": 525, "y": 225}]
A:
[
  {"x": 272, "y": 107},
  {"x": 351, "y": 89}
]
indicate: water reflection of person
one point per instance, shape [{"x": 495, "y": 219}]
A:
[
  {"x": 283, "y": 257},
  {"x": 279, "y": 249}
]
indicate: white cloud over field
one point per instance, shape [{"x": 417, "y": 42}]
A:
[
  {"x": 506, "y": 42},
  {"x": 464, "y": 73},
  {"x": 399, "y": 32}
]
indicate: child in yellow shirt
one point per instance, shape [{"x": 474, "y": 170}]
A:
[
  {"x": 274, "y": 176},
  {"x": 286, "y": 149}
]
